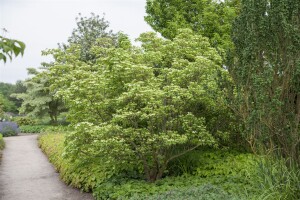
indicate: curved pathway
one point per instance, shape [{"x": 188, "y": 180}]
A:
[{"x": 26, "y": 174}]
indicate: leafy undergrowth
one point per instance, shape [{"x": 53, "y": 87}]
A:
[
  {"x": 216, "y": 175},
  {"x": 32, "y": 128}
]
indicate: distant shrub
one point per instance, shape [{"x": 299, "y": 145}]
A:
[
  {"x": 1, "y": 142},
  {"x": 24, "y": 121},
  {"x": 9, "y": 129}
]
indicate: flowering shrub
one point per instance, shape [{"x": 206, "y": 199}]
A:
[
  {"x": 142, "y": 107},
  {"x": 9, "y": 129}
]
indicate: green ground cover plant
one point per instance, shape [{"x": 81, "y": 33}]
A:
[
  {"x": 32, "y": 128},
  {"x": 43, "y": 128}
]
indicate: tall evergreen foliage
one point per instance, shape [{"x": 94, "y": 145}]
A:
[
  {"x": 267, "y": 74},
  {"x": 38, "y": 100}
]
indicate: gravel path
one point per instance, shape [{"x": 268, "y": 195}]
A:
[{"x": 26, "y": 174}]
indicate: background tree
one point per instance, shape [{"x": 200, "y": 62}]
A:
[
  {"x": 38, "y": 101},
  {"x": 6, "y": 89},
  {"x": 7, "y": 105},
  {"x": 88, "y": 30},
  {"x": 18, "y": 88},
  {"x": 89, "y": 33},
  {"x": 9, "y": 48},
  {"x": 267, "y": 74},
  {"x": 210, "y": 18}
]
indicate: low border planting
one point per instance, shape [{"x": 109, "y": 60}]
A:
[
  {"x": 2, "y": 144},
  {"x": 43, "y": 128},
  {"x": 32, "y": 128},
  {"x": 79, "y": 175},
  {"x": 219, "y": 179}
]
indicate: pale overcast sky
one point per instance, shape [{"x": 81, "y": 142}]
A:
[{"x": 41, "y": 24}]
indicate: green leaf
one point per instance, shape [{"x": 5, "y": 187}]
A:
[{"x": 2, "y": 57}]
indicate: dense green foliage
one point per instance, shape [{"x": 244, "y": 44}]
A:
[
  {"x": 267, "y": 74},
  {"x": 32, "y": 128},
  {"x": 10, "y": 48},
  {"x": 210, "y": 18},
  {"x": 170, "y": 117}
]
